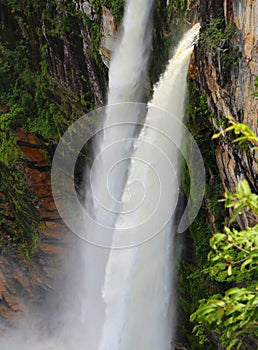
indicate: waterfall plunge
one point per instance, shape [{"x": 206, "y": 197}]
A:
[
  {"x": 140, "y": 310},
  {"x": 134, "y": 310},
  {"x": 127, "y": 77}
]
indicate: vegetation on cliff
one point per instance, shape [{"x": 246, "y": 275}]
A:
[
  {"x": 51, "y": 73},
  {"x": 225, "y": 308},
  {"x": 218, "y": 58},
  {"x": 233, "y": 260},
  {"x": 210, "y": 218},
  {"x": 19, "y": 217},
  {"x": 44, "y": 86}
]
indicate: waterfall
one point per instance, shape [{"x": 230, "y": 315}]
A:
[
  {"x": 127, "y": 77},
  {"x": 121, "y": 296},
  {"x": 140, "y": 309}
]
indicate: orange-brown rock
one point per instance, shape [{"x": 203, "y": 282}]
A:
[
  {"x": 230, "y": 90},
  {"x": 23, "y": 282},
  {"x": 108, "y": 35}
]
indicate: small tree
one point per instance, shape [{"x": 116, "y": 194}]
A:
[{"x": 234, "y": 258}]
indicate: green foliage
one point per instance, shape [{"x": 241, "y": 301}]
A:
[
  {"x": 199, "y": 125},
  {"x": 23, "y": 92},
  {"x": 116, "y": 6},
  {"x": 215, "y": 32},
  {"x": 169, "y": 26},
  {"x": 59, "y": 17},
  {"x": 216, "y": 36},
  {"x": 95, "y": 34},
  {"x": 10, "y": 153},
  {"x": 238, "y": 128},
  {"x": 188, "y": 302},
  {"x": 33, "y": 99},
  {"x": 236, "y": 251},
  {"x": 29, "y": 96},
  {"x": 233, "y": 258},
  {"x": 18, "y": 215},
  {"x": 201, "y": 129},
  {"x": 255, "y": 94},
  {"x": 177, "y": 7},
  {"x": 192, "y": 278},
  {"x": 242, "y": 198},
  {"x": 234, "y": 315}
]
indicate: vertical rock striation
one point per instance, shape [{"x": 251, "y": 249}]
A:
[{"x": 226, "y": 74}]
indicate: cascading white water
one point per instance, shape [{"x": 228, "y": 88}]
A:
[
  {"x": 123, "y": 297},
  {"x": 127, "y": 76},
  {"x": 138, "y": 280}
]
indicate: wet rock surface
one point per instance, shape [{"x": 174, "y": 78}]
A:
[{"x": 108, "y": 35}]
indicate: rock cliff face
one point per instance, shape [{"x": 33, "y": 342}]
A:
[
  {"x": 59, "y": 42},
  {"x": 58, "y": 33},
  {"x": 227, "y": 76},
  {"x": 108, "y": 29},
  {"x": 23, "y": 281},
  {"x": 224, "y": 69}
]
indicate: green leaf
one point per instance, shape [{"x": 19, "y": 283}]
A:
[
  {"x": 237, "y": 211},
  {"x": 247, "y": 262},
  {"x": 232, "y": 343}
]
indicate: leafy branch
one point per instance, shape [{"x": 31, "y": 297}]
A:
[
  {"x": 234, "y": 314},
  {"x": 234, "y": 257},
  {"x": 242, "y": 198},
  {"x": 238, "y": 128}
]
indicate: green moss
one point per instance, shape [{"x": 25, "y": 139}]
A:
[
  {"x": 218, "y": 37},
  {"x": 18, "y": 214},
  {"x": 116, "y": 6},
  {"x": 95, "y": 34},
  {"x": 22, "y": 92},
  {"x": 177, "y": 8},
  {"x": 255, "y": 94},
  {"x": 29, "y": 96},
  {"x": 192, "y": 277},
  {"x": 33, "y": 99}
]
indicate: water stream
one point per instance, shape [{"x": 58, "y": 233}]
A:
[
  {"x": 123, "y": 298},
  {"x": 140, "y": 305}
]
